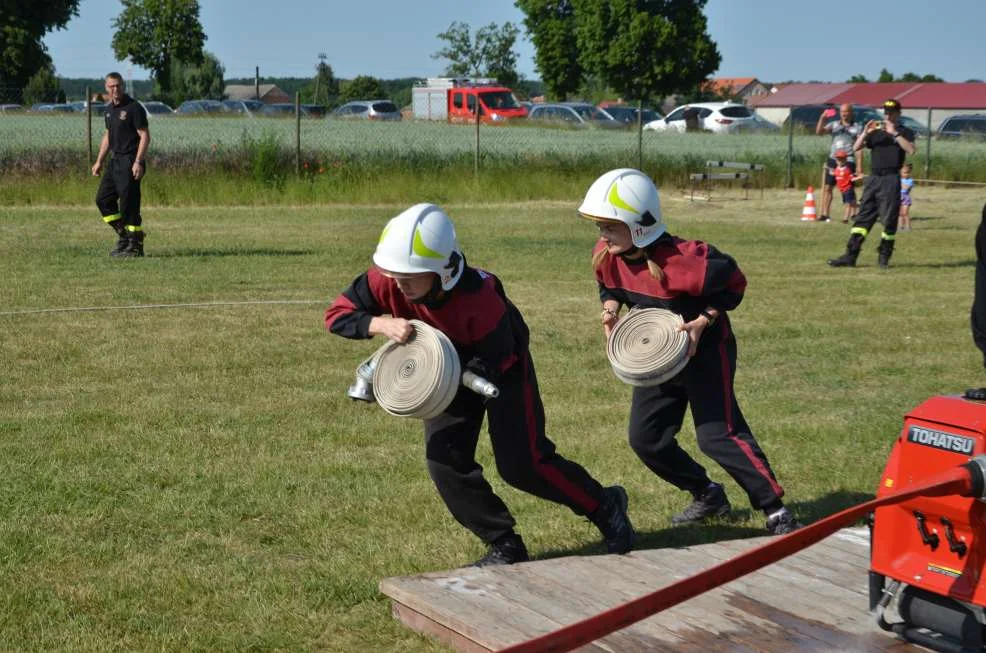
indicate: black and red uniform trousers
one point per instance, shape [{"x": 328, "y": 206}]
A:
[
  {"x": 525, "y": 458},
  {"x": 706, "y": 384}
]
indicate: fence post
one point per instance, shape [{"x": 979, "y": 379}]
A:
[
  {"x": 89, "y": 124},
  {"x": 297, "y": 133},
  {"x": 927, "y": 158},
  {"x": 640, "y": 135},
  {"x": 790, "y": 150}
]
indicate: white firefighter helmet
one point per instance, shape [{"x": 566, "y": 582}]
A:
[
  {"x": 628, "y": 196},
  {"x": 421, "y": 239}
]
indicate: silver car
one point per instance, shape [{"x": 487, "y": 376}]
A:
[
  {"x": 368, "y": 110},
  {"x": 574, "y": 114}
]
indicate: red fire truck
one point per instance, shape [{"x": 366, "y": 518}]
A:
[{"x": 456, "y": 99}]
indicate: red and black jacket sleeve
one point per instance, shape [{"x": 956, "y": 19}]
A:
[{"x": 350, "y": 314}]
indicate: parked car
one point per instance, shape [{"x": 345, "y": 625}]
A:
[
  {"x": 199, "y": 107},
  {"x": 759, "y": 124},
  {"x": 11, "y": 108},
  {"x": 313, "y": 110},
  {"x": 719, "y": 117},
  {"x": 56, "y": 108},
  {"x": 919, "y": 128},
  {"x": 574, "y": 114},
  {"x": 628, "y": 114},
  {"x": 969, "y": 125},
  {"x": 368, "y": 110},
  {"x": 156, "y": 108},
  {"x": 244, "y": 107}
]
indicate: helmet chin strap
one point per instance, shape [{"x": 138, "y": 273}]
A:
[{"x": 633, "y": 253}]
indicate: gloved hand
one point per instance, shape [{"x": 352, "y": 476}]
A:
[{"x": 479, "y": 368}]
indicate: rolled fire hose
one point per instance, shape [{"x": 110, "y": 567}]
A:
[
  {"x": 646, "y": 348},
  {"x": 417, "y": 378}
]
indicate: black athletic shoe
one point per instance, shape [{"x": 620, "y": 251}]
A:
[
  {"x": 612, "y": 521},
  {"x": 844, "y": 261},
  {"x": 506, "y": 550},
  {"x": 783, "y": 524},
  {"x": 823, "y": 218},
  {"x": 711, "y": 502}
]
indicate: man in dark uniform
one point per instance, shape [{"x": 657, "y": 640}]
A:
[
  {"x": 890, "y": 143},
  {"x": 118, "y": 198},
  {"x": 979, "y": 303}
]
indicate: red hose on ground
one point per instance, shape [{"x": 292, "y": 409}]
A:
[{"x": 954, "y": 481}]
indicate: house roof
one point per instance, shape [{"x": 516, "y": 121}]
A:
[
  {"x": 249, "y": 91},
  {"x": 916, "y": 95},
  {"x": 729, "y": 85}
]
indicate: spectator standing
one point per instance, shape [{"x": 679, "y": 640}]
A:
[
  {"x": 906, "y": 183},
  {"x": 845, "y": 180},
  {"x": 890, "y": 142},
  {"x": 844, "y": 132},
  {"x": 118, "y": 198}
]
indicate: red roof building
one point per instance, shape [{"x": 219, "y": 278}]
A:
[{"x": 941, "y": 99}]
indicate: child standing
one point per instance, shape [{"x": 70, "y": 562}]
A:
[
  {"x": 845, "y": 178},
  {"x": 906, "y": 182}
]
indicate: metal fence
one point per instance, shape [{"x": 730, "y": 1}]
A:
[{"x": 789, "y": 159}]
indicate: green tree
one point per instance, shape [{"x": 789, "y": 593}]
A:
[
  {"x": 550, "y": 26},
  {"x": 190, "y": 81},
  {"x": 324, "y": 89},
  {"x": 22, "y": 26},
  {"x": 858, "y": 79},
  {"x": 489, "y": 54},
  {"x": 885, "y": 76},
  {"x": 362, "y": 87},
  {"x": 155, "y": 34},
  {"x": 647, "y": 50},
  {"x": 43, "y": 87}
]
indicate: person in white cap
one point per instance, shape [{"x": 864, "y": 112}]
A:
[
  {"x": 421, "y": 273},
  {"x": 638, "y": 263}
]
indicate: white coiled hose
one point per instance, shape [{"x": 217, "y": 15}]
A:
[{"x": 646, "y": 348}]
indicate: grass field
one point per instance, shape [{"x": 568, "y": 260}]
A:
[{"x": 194, "y": 477}]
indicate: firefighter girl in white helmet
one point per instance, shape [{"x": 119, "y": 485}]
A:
[
  {"x": 638, "y": 263},
  {"x": 420, "y": 273}
]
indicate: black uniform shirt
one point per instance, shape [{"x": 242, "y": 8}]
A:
[
  {"x": 122, "y": 121},
  {"x": 888, "y": 156}
]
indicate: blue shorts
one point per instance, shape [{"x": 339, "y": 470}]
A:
[{"x": 849, "y": 197}]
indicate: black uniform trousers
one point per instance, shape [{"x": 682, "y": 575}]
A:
[
  {"x": 525, "y": 457},
  {"x": 880, "y": 200},
  {"x": 979, "y": 299},
  {"x": 706, "y": 384},
  {"x": 119, "y": 192}
]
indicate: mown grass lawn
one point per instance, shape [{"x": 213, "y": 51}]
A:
[{"x": 194, "y": 477}]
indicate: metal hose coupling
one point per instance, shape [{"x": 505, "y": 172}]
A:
[
  {"x": 646, "y": 348},
  {"x": 417, "y": 378},
  {"x": 977, "y": 474}
]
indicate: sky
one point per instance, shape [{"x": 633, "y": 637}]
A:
[{"x": 772, "y": 40}]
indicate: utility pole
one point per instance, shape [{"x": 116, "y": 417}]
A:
[{"x": 256, "y": 84}]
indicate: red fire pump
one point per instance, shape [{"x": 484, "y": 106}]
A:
[{"x": 927, "y": 553}]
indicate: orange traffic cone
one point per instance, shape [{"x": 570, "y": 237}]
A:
[{"x": 808, "y": 212}]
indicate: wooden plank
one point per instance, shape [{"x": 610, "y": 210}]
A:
[
  {"x": 464, "y": 603},
  {"x": 814, "y": 600}
]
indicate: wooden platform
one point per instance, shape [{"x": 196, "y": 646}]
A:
[{"x": 815, "y": 600}]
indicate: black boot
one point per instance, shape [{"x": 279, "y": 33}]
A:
[
  {"x": 612, "y": 521},
  {"x": 122, "y": 241},
  {"x": 886, "y": 250},
  {"x": 848, "y": 260},
  {"x": 135, "y": 245},
  {"x": 504, "y": 550}
]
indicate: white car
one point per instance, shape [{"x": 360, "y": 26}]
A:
[{"x": 718, "y": 117}]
